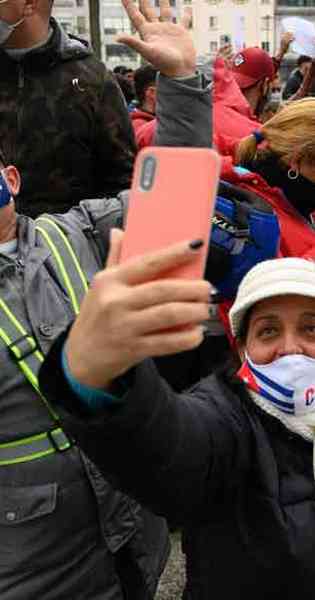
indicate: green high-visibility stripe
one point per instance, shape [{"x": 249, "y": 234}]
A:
[
  {"x": 29, "y": 457},
  {"x": 29, "y": 440},
  {"x": 21, "y": 329},
  {"x": 30, "y": 376},
  {"x": 63, "y": 271},
  {"x": 35, "y": 446},
  {"x": 70, "y": 249}
]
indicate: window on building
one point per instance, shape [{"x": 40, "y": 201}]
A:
[
  {"x": 80, "y": 2},
  {"x": 172, "y": 3},
  {"x": 266, "y": 23},
  {"x": 120, "y": 51},
  {"x": 213, "y": 22},
  {"x": 265, "y": 46},
  {"x": 213, "y": 47},
  {"x": 265, "y": 1},
  {"x": 296, "y": 3},
  {"x": 117, "y": 24},
  {"x": 81, "y": 25},
  {"x": 187, "y": 2},
  {"x": 67, "y": 26}
]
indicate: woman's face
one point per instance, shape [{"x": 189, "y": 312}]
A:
[{"x": 280, "y": 326}]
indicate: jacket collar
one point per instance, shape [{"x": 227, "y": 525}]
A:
[
  {"x": 29, "y": 252},
  {"x": 60, "y": 47}
]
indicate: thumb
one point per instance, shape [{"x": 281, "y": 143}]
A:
[
  {"x": 116, "y": 238},
  {"x": 134, "y": 43}
]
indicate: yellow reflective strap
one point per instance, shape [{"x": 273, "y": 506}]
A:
[
  {"x": 69, "y": 247},
  {"x": 64, "y": 274},
  {"x": 21, "y": 329},
  {"x": 29, "y": 374},
  {"x": 15, "y": 461},
  {"x": 32, "y": 447},
  {"x": 27, "y": 440}
]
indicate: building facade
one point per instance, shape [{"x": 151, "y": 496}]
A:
[
  {"x": 73, "y": 16},
  {"x": 244, "y": 22}
]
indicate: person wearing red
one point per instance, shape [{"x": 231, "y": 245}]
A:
[
  {"x": 233, "y": 116},
  {"x": 277, "y": 164},
  {"x": 240, "y": 94},
  {"x": 145, "y": 88}
]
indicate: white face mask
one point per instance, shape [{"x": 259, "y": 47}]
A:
[
  {"x": 7, "y": 28},
  {"x": 288, "y": 383}
]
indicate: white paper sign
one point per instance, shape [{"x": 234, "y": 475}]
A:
[
  {"x": 239, "y": 31},
  {"x": 304, "y": 34}
]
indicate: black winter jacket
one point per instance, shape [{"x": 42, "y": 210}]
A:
[
  {"x": 236, "y": 479},
  {"x": 64, "y": 124}
]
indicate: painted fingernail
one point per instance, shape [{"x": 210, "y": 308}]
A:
[
  {"x": 215, "y": 298},
  {"x": 196, "y": 244}
]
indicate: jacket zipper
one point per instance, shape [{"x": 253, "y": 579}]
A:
[
  {"x": 19, "y": 263},
  {"x": 21, "y": 77},
  {"x": 20, "y": 91}
]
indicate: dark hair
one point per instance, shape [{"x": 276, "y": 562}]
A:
[
  {"x": 303, "y": 59},
  {"x": 143, "y": 78},
  {"x": 125, "y": 86},
  {"x": 121, "y": 69}
]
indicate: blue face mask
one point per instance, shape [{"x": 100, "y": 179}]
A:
[
  {"x": 7, "y": 28},
  {"x": 5, "y": 192}
]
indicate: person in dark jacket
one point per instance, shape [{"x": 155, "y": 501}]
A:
[
  {"x": 231, "y": 460},
  {"x": 66, "y": 532},
  {"x": 63, "y": 121},
  {"x": 296, "y": 77}
]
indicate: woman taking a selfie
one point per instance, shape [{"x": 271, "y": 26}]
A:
[{"x": 231, "y": 461}]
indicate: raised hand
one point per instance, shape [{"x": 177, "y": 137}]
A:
[
  {"x": 286, "y": 39},
  {"x": 166, "y": 45}
]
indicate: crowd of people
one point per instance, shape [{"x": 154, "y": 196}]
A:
[{"x": 132, "y": 402}]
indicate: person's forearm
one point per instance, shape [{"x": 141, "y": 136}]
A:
[{"x": 184, "y": 113}]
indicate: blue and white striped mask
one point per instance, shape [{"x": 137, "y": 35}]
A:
[{"x": 288, "y": 383}]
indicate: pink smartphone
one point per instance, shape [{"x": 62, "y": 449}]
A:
[{"x": 172, "y": 199}]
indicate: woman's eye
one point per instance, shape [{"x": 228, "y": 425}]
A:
[
  {"x": 310, "y": 329},
  {"x": 267, "y": 332}
]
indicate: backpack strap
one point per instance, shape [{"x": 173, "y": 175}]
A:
[{"x": 66, "y": 262}]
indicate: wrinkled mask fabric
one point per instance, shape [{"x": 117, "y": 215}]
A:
[{"x": 287, "y": 383}]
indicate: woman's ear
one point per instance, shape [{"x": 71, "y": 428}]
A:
[
  {"x": 295, "y": 162},
  {"x": 30, "y": 8},
  {"x": 240, "y": 350},
  {"x": 13, "y": 179}
]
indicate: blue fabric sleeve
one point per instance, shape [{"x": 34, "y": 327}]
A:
[{"x": 93, "y": 398}]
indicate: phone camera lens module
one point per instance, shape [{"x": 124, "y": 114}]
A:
[{"x": 148, "y": 172}]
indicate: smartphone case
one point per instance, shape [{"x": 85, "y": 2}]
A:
[{"x": 171, "y": 200}]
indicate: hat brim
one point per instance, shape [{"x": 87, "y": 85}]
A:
[
  {"x": 284, "y": 288},
  {"x": 244, "y": 81}
]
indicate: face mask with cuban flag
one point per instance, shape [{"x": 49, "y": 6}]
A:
[{"x": 287, "y": 383}]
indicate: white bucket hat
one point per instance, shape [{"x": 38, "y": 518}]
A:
[{"x": 270, "y": 278}]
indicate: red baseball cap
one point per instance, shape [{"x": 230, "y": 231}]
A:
[{"x": 251, "y": 65}]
